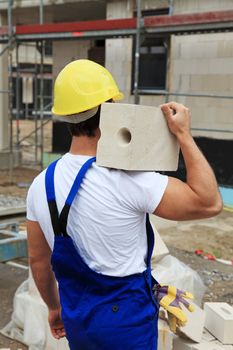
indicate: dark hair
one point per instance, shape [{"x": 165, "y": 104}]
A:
[{"x": 86, "y": 128}]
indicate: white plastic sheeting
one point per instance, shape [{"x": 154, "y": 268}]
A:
[
  {"x": 170, "y": 270},
  {"x": 29, "y": 322}
]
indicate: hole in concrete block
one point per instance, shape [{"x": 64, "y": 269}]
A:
[
  {"x": 124, "y": 137},
  {"x": 226, "y": 311}
]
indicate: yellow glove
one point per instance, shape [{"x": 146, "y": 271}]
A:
[{"x": 170, "y": 298}]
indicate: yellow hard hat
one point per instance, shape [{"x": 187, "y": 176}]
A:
[{"x": 83, "y": 85}]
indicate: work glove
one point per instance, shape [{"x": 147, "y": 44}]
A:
[{"x": 171, "y": 298}]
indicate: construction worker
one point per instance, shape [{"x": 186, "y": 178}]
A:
[{"x": 88, "y": 226}]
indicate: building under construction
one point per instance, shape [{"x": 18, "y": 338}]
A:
[{"x": 157, "y": 50}]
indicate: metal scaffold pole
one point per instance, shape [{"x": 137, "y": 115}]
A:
[
  {"x": 17, "y": 97},
  {"x": 36, "y": 111},
  {"x": 137, "y": 53},
  {"x": 41, "y": 104},
  {"x": 41, "y": 11},
  {"x": 171, "y": 7},
  {"x": 10, "y": 85},
  {"x": 167, "y": 44},
  {"x": 41, "y": 89}
]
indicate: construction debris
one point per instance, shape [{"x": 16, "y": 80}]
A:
[
  {"x": 10, "y": 205},
  {"x": 209, "y": 256}
]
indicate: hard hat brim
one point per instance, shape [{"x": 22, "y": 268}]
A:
[{"x": 118, "y": 97}]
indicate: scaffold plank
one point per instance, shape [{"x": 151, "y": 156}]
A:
[{"x": 4, "y": 30}]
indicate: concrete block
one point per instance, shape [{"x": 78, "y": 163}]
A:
[
  {"x": 207, "y": 346},
  {"x": 195, "y": 324},
  {"x": 199, "y": 49},
  {"x": 225, "y": 347},
  {"x": 135, "y": 137},
  {"x": 207, "y": 336},
  {"x": 160, "y": 248},
  {"x": 183, "y": 344},
  {"x": 219, "y": 321},
  {"x": 160, "y": 223},
  {"x": 165, "y": 336}
]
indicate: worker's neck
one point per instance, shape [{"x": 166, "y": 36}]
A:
[{"x": 84, "y": 145}]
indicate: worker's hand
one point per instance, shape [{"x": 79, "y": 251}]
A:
[
  {"x": 56, "y": 324},
  {"x": 178, "y": 118},
  {"x": 171, "y": 298}
]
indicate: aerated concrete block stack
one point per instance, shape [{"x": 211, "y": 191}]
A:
[
  {"x": 218, "y": 324},
  {"x": 160, "y": 248},
  {"x": 183, "y": 344}
]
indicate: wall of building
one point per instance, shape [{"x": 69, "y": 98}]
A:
[
  {"x": 198, "y": 64},
  {"x": 119, "y": 52},
  {"x": 30, "y": 54},
  {"x": 194, "y": 6},
  {"x": 203, "y": 64},
  {"x": 67, "y": 51}
]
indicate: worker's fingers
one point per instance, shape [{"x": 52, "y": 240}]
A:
[
  {"x": 58, "y": 332},
  {"x": 177, "y": 117},
  {"x": 175, "y": 106},
  {"x": 167, "y": 111},
  {"x": 61, "y": 332},
  {"x": 54, "y": 334}
]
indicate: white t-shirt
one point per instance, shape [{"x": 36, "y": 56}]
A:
[{"x": 107, "y": 217}]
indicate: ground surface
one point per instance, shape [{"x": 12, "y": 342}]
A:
[
  {"x": 214, "y": 236},
  {"x": 10, "y": 279}
]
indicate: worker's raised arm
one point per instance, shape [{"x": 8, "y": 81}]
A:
[
  {"x": 199, "y": 197},
  {"x": 39, "y": 258}
]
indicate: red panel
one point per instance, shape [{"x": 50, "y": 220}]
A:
[
  {"x": 194, "y": 18},
  {"x": 4, "y": 30},
  {"x": 127, "y": 23}
]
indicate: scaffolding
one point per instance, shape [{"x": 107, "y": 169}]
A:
[{"x": 137, "y": 27}]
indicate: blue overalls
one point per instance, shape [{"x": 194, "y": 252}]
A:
[{"x": 100, "y": 312}]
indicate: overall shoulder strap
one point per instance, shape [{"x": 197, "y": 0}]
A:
[
  {"x": 50, "y": 193},
  {"x": 150, "y": 240},
  {"x": 59, "y": 222},
  {"x": 73, "y": 191}
]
